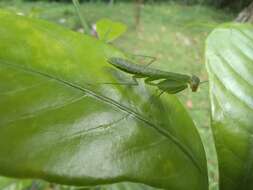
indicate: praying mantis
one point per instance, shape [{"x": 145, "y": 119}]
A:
[{"x": 168, "y": 82}]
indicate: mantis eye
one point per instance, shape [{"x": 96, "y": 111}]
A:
[{"x": 194, "y": 84}]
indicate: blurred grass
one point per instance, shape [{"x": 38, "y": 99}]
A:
[{"x": 173, "y": 33}]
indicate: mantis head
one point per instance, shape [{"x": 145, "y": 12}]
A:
[{"x": 194, "y": 83}]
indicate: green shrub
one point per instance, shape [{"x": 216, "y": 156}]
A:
[{"x": 232, "y": 4}]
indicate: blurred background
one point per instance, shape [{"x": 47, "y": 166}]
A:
[{"x": 172, "y": 31}]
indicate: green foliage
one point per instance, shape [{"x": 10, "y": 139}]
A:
[
  {"x": 59, "y": 123},
  {"x": 169, "y": 35},
  {"x": 229, "y": 57},
  {"x": 18, "y": 184},
  {"x": 14, "y": 184},
  {"x": 109, "y": 30},
  {"x": 234, "y": 4}
]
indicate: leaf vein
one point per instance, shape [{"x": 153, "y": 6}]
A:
[{"x": 112, "y": 102}]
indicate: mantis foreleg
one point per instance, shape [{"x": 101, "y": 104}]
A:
[
  {"x": 174, "y": 91},
  {"x": 150, "y": 80}
]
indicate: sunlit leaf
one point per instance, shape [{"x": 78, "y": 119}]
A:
[
  {"x": 59, "y": 123},
  {"x": 229, "y": 57}
]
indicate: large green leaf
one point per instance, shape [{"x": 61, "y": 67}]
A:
[
  {"x": 229, "y": 57},
  {"x": 57, "y": 122}
]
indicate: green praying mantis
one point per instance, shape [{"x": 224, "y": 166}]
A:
[{"x": 168, "y": 82}]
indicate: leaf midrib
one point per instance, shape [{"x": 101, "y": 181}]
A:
[{"x": 109, "y": 101}]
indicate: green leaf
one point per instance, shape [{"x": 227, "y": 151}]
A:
[
  {"x": 59, "y": 123},
  {"x": 14, "y": 184},
  {"x": 109, "y": 30},
  {"x": 229, "y": 58}
]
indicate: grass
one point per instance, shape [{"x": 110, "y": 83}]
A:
[{"x": 173, "y": 33}]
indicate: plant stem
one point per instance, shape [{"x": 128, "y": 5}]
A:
[{"x": 83, "y": 22}]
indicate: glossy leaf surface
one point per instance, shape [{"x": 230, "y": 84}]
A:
[
  {"x": 229, "y": 56},
  {"x": 59, "y": 123}
]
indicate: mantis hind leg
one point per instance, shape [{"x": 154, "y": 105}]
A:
[
  {"x": 174, "y": 91},
  {"x": 171, "y": 92},
  {"x": 152, "y": 59}
]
